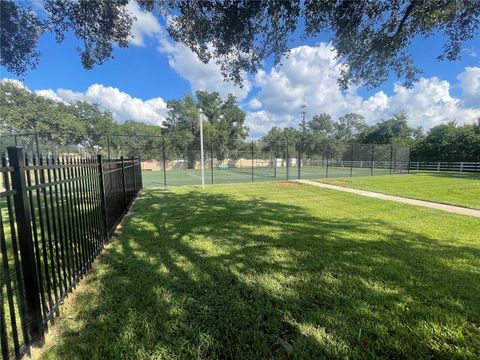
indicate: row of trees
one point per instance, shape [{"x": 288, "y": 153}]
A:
[
  {"x": 65, "y": 127},
  {"x": 93, "y": 130},
  {"x": 444, "y": 142}
]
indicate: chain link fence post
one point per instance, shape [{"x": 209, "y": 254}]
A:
[
  {"x": 351, "y": 161},
  {"x": 326, "y": 172},
  {"x": 288, "y": 161},
  {"x": 299, "y": 165},
  {"x": 391, "y": 158}
]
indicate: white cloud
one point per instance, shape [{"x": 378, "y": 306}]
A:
[
  {"x": 145, "y": 25},
  {"x": 309, "y": 76},
  {"x": 48, "y": 93},
  {"x": 254, "y": 104},
  {"x": 122, "y": 105},
  {"x": 428, "y": 103},
  {"x": 200, "y": 76},
  {"x": 470, "y": 82},
  {"x": 260, "y": 122},
  {"x": 14, "y": 82}
]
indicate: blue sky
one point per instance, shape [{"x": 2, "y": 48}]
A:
[{"x": 154, "y": 69}]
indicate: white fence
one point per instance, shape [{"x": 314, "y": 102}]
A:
[
  {"x": 462, "y": 166},
  {"x": 446, "y": 166}
]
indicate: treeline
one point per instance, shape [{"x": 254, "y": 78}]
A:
[
  {"x": 63, "y": 127},
  {"x": 82, "y": 126},
  {"x": 444, "y": 142}
]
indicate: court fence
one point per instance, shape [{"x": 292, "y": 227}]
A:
[
  {"x": 174, "y": 159},
  {"x": 56, "y": 213},
  {"x": 252, "y": 161}
]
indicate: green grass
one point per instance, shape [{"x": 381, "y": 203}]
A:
[
  {"x": 277, "y": 271},
  {"x": 454, "y": 188}
]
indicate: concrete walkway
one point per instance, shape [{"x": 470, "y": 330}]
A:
[{"x": 428, "y": 204}]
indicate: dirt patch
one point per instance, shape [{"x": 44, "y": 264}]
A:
[{"x": 285, "y": 184}]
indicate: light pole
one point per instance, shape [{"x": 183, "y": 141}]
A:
[{"x": 202, "y": 162}]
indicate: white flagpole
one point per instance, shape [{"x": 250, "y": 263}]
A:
[{"x": 202, "y": 163}]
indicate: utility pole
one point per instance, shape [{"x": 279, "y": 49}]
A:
[{"x": 303, "y": 113}]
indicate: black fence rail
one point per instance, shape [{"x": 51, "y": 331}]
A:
[{"x": 56, "y": 213}]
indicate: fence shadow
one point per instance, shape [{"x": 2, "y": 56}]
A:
[{"x": 206, "y": 275}]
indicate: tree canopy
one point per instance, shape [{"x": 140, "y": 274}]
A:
[
  {"x": 372, "y": 37},
  {"x": 444, "y": 142},
  {"x": 224, "y": 126},
  {"x": 450, "y": 142}
]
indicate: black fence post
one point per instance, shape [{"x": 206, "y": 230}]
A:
[
  {"x": 391, "y": 158},
  {"x": 372, "y": 165},
  {"x": 253, "y": 154},
  {"x": 141, "y": 173},
  {"x": 164, "y": 163},
  {"x": 103, "y": 195},
  {"x": 124, "y": 183},
  {"x": 351, "y": 161},
  {"x": 24, "y": 232}
]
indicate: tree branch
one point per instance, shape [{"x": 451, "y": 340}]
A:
[{"x": 401, "y": 25}]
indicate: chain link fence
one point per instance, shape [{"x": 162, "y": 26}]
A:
[{"x": 174, "y": 160}]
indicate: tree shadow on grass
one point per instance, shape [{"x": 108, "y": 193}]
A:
[{"x": 203, "y": 275}]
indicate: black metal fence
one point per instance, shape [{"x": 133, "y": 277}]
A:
[{"x": 56, "y": 213}]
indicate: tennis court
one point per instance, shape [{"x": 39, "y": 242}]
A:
[{"x": 155, "y": 179}]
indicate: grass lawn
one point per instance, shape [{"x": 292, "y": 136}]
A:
[
  {"x": 261, "y": 271},
  {"x": 454, "y": 188}
]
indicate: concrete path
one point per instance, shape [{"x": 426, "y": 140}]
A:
[{"x": 428, "y": 204}]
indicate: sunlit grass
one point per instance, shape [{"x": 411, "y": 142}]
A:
[
  {"x": 277, "y": 271},
  {"x": 454, "y": 188}
]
